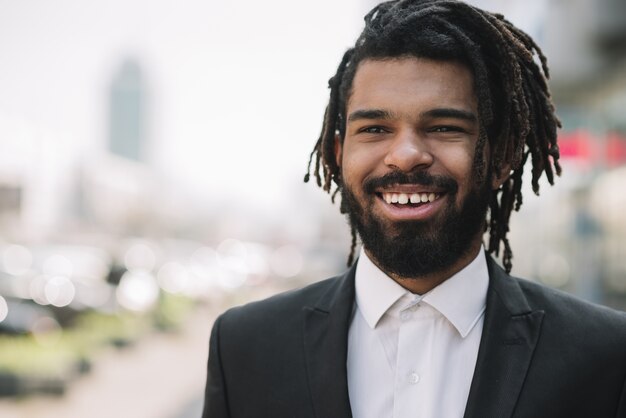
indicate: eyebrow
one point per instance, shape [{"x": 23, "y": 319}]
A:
[
  {"x": 433, "y": 113},
  {"x": 450, "y": 113},
  {"x": 369, "y": 114}
]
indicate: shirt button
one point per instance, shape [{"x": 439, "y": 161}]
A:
[
  {"x": 413, "y": 308},
  {"x": 405, "y": 315},
  {"x": 414, "y": 378}
]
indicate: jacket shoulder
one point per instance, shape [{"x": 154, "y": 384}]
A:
[
  {"x": 541, "y": 295},
  {"x": 278, "y": 307},
  {"x": 565, "y": 310}
]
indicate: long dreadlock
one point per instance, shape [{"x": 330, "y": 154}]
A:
[{"x": 516, "y": 114}]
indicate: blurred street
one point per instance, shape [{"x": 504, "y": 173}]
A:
[{"x": 162, "y": 376}]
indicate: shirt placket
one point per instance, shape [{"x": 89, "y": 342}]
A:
[{"x": 414, "y": 348}]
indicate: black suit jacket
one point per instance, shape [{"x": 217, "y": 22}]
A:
[{"x": 543, "y": 353}]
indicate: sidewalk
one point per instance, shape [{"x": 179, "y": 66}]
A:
[{"x": 162, "y": 376}]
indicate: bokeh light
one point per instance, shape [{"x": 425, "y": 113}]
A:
[
  {"x": 37, "y": 290},
  {"x": 17, "y": 259},
  {"x": 138, "y": 290},
  {"x": 59, "y": 291},
  {"x": 232, "y": 253},
  {"x": 4, "y": 309},
  {"x": 58, "y": 265},
  {"x": 203, "y": 262},
  {"x": 140, "y": 256},
  {"x": 173, "y": 277},
  {"x": 46, "y": 331}
]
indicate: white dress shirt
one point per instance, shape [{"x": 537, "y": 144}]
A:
[{"x": 414, "y": 355}]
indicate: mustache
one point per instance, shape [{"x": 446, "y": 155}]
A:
[{"x": 422, "y": 178}]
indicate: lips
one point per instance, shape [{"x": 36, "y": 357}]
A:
[
  {"x": 410, "y": 196},
  {"x": 409, "y": 202}
]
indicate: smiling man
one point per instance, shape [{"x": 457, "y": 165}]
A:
[
  {"x": 432, "y": 117},
  {"x": 407, "y": 164}
]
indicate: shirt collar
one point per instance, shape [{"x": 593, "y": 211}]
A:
[
  {"x": 375, "y": 291},
  {"x": 461, "y": 299}
]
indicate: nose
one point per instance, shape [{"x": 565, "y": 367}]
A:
[{"x": 407, "y": 152}]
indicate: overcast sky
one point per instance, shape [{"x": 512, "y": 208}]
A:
[{"x": 236, "y": 90}]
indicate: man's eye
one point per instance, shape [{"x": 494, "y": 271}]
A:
[
  {"x": 373, "y": 130},
  {"x": 443, "y": 129}
]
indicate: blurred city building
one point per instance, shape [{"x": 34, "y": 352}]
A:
[
  {"x": 127, "y": 112},
  {"x": 581, "y": 244}
]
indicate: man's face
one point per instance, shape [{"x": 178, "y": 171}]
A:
[{"x": 407, "y": 164}]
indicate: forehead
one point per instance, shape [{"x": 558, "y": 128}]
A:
[{"x": 412, "y": 82}]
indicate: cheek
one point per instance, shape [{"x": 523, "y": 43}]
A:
[
  {"x": 458, "y": 162},
  {"x": 358, "y": 163}
]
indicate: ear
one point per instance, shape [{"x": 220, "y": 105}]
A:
[
  {"x": 338, "y": 150},
  {"x": 500, "y": 177}
]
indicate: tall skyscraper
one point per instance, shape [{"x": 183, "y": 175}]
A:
[{"x": 127, "y": 112}]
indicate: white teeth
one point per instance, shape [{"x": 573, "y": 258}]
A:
[{"x": 403, "y": 198}]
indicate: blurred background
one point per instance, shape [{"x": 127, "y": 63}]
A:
[{"x": 151, "y": 176}]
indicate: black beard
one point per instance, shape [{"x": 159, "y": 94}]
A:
[{"x": 411, "y": 249}]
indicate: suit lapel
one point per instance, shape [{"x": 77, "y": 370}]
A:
[
  {"x": 326, "y": 346},
  {"x": 510, "y": 333}
]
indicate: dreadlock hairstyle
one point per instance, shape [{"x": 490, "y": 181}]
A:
[{"x": 516, "y": 114}]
